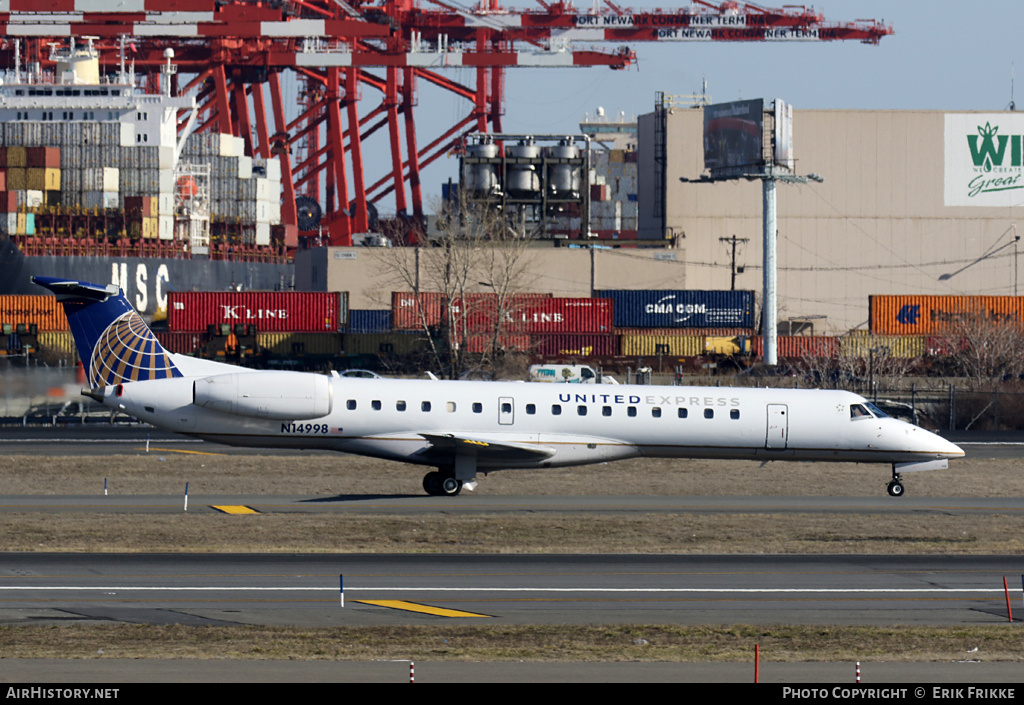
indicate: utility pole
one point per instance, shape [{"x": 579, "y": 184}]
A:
[{"x": 733, "y": 269}]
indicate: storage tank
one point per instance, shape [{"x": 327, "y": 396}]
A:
[
  {"x": 522, "y": 180},
  {"x": 481, "y": 177},
  {"x": 564, "y": 179}
]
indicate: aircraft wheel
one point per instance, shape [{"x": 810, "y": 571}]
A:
[
  {"x": 895, "y": 489},
  {"x": 432, "y": 483},
  {"x": 450, "y": 486}
]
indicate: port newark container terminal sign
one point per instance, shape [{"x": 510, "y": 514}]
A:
[{"x": 984, "y": 159}]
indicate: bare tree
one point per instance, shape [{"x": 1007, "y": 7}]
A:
[
  {"x": 982, "y": 347},
  {"x": 465, "y": 285}
]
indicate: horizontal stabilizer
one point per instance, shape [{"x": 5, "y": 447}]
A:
[
  {"x": 486, "y": 452},
  {"x": 66, "y": 289}
]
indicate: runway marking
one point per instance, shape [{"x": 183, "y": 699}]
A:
[
  {"x": 737, "y": 591},
  {"x": 422, "y": 609},
  {"x": 172, "y": 450},
  {"x": 233, "y": 509}
]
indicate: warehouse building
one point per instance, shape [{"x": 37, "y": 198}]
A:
[{"x": 913, "y": 202}]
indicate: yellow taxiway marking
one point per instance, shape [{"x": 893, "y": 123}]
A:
[
  {"x": 234, "y": 509},
  {"x": 425, "y": 609},
  {"x": 172, "y": 450}
]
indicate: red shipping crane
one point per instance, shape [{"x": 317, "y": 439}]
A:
[{"x": 236, "y": 53}]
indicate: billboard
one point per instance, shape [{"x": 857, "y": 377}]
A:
[
  {"x": 784, "y": 136},
  {"x": 733, "y": 142},
  {"x": 984, "y": 159}
]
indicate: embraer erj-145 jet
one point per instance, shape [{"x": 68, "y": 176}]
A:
[{"x": 462, "y": 428}]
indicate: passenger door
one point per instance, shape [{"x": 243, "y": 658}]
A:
[{"x": 777, "y": 435}]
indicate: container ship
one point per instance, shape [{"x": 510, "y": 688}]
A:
[{"x": 98, "y": 182}]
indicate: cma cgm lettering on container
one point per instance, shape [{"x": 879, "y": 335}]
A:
[
  {"x": 681, "y": 309},
  {"x": 924, "y": 315},
  {"x": 271, "y": 311}
]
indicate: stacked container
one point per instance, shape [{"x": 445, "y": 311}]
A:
[
  {"x": 241, "y": 191},
  {"x": 269, "y": 311}
]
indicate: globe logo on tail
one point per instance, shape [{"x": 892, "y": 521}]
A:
[{"x": 128, "y": 352}]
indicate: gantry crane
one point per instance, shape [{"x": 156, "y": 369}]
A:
[{"x": 232, "y": 54}]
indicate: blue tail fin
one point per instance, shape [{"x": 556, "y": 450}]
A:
[{"x": 113, "y": 341}]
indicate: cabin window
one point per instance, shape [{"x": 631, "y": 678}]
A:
[
  {"x": 631, "y": 411},
  {"x": 477, "y": 407},
  {"x": 734, "y": 413},
  {"x": 681, "y": 413},
  {"x": 506, "y": 407},
  {"x": 709, "y": 413},
  {"x": 400, "y": 405},
  {"x": 656, "y": 412},
  {"x": 531, "y": 409},
  {"x": 556, "y": 409},
  {"x": 450, "y": 407},
  {"x": 351, "y": 404},
  {"x": 375, "y": 404},
  {"x": 606, "y": 411},
  {"x": 424, "y": 406},
  {"x": 581, "y": 410}
]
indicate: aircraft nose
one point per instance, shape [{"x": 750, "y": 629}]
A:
[
  {"x": 937, "y": 446},
  {"x": 949, "y": 449}
]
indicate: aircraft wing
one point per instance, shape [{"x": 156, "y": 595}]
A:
[{"x": 487, "y": 452}]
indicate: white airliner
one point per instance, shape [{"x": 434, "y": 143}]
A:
[{"x": 462, "y": 428}]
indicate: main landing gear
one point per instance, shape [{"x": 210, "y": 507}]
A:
[
  {"x": 895, "y": 486},
  {"x": 441, "y": 485}
]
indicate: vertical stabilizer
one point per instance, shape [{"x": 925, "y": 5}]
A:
[{"x": 115, "y": 344}]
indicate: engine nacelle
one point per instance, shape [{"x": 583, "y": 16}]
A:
[{"x": 266, "y": 395}]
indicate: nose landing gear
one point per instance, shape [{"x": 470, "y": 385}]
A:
[{"x": 895, "y": 486}]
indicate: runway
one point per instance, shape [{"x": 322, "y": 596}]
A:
[
  {"x": 469, "y": 504},
  {"x": 329, "y": 590},
  {"x": 324, "y": 590}
]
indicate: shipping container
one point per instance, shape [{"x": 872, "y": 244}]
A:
[
  {"x": 646, "y": 308},
  {"x": 561, "y": 315},
  {"x": 942, "y": 345},
  {"x": 59, "y": 342},
  {"x": 384, "y": 343},
  {"x": 863, "y": 346},
  {"x": 800, "y": 346},
  {"x": 479, "y": 343},
  {"x": 296, "y": 345},
  {"x": 731, "y": 332},
  {"x": 412, "y": 312},
  {"x": 651, "y": 345},
  {"x": 278, "y": 311},
  {"x": 922, "y": 315},
  {"x": 183, "y": 343},
  {"x": 575, "y": 344},
  {"x": 369, "y": 321},
  {"x": 42, "y": 157},
  {"x": 43, "y": 311}
]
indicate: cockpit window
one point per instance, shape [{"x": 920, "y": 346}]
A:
[
  {"x": 859, "y": 411},
  {"x": 866, "y": 411},
  {"x": 875, "y": 411}
]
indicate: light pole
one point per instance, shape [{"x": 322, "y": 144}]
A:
[{"x": 770, "y": 314}]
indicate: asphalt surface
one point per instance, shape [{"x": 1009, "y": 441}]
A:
[
  {"x": 308, "y": 590},
  {"x": 305, "y": 590}
]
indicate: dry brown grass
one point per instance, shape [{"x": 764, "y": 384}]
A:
[
  {"x": 516, "y": 643},
  {"x": 163, "y": 472}
]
